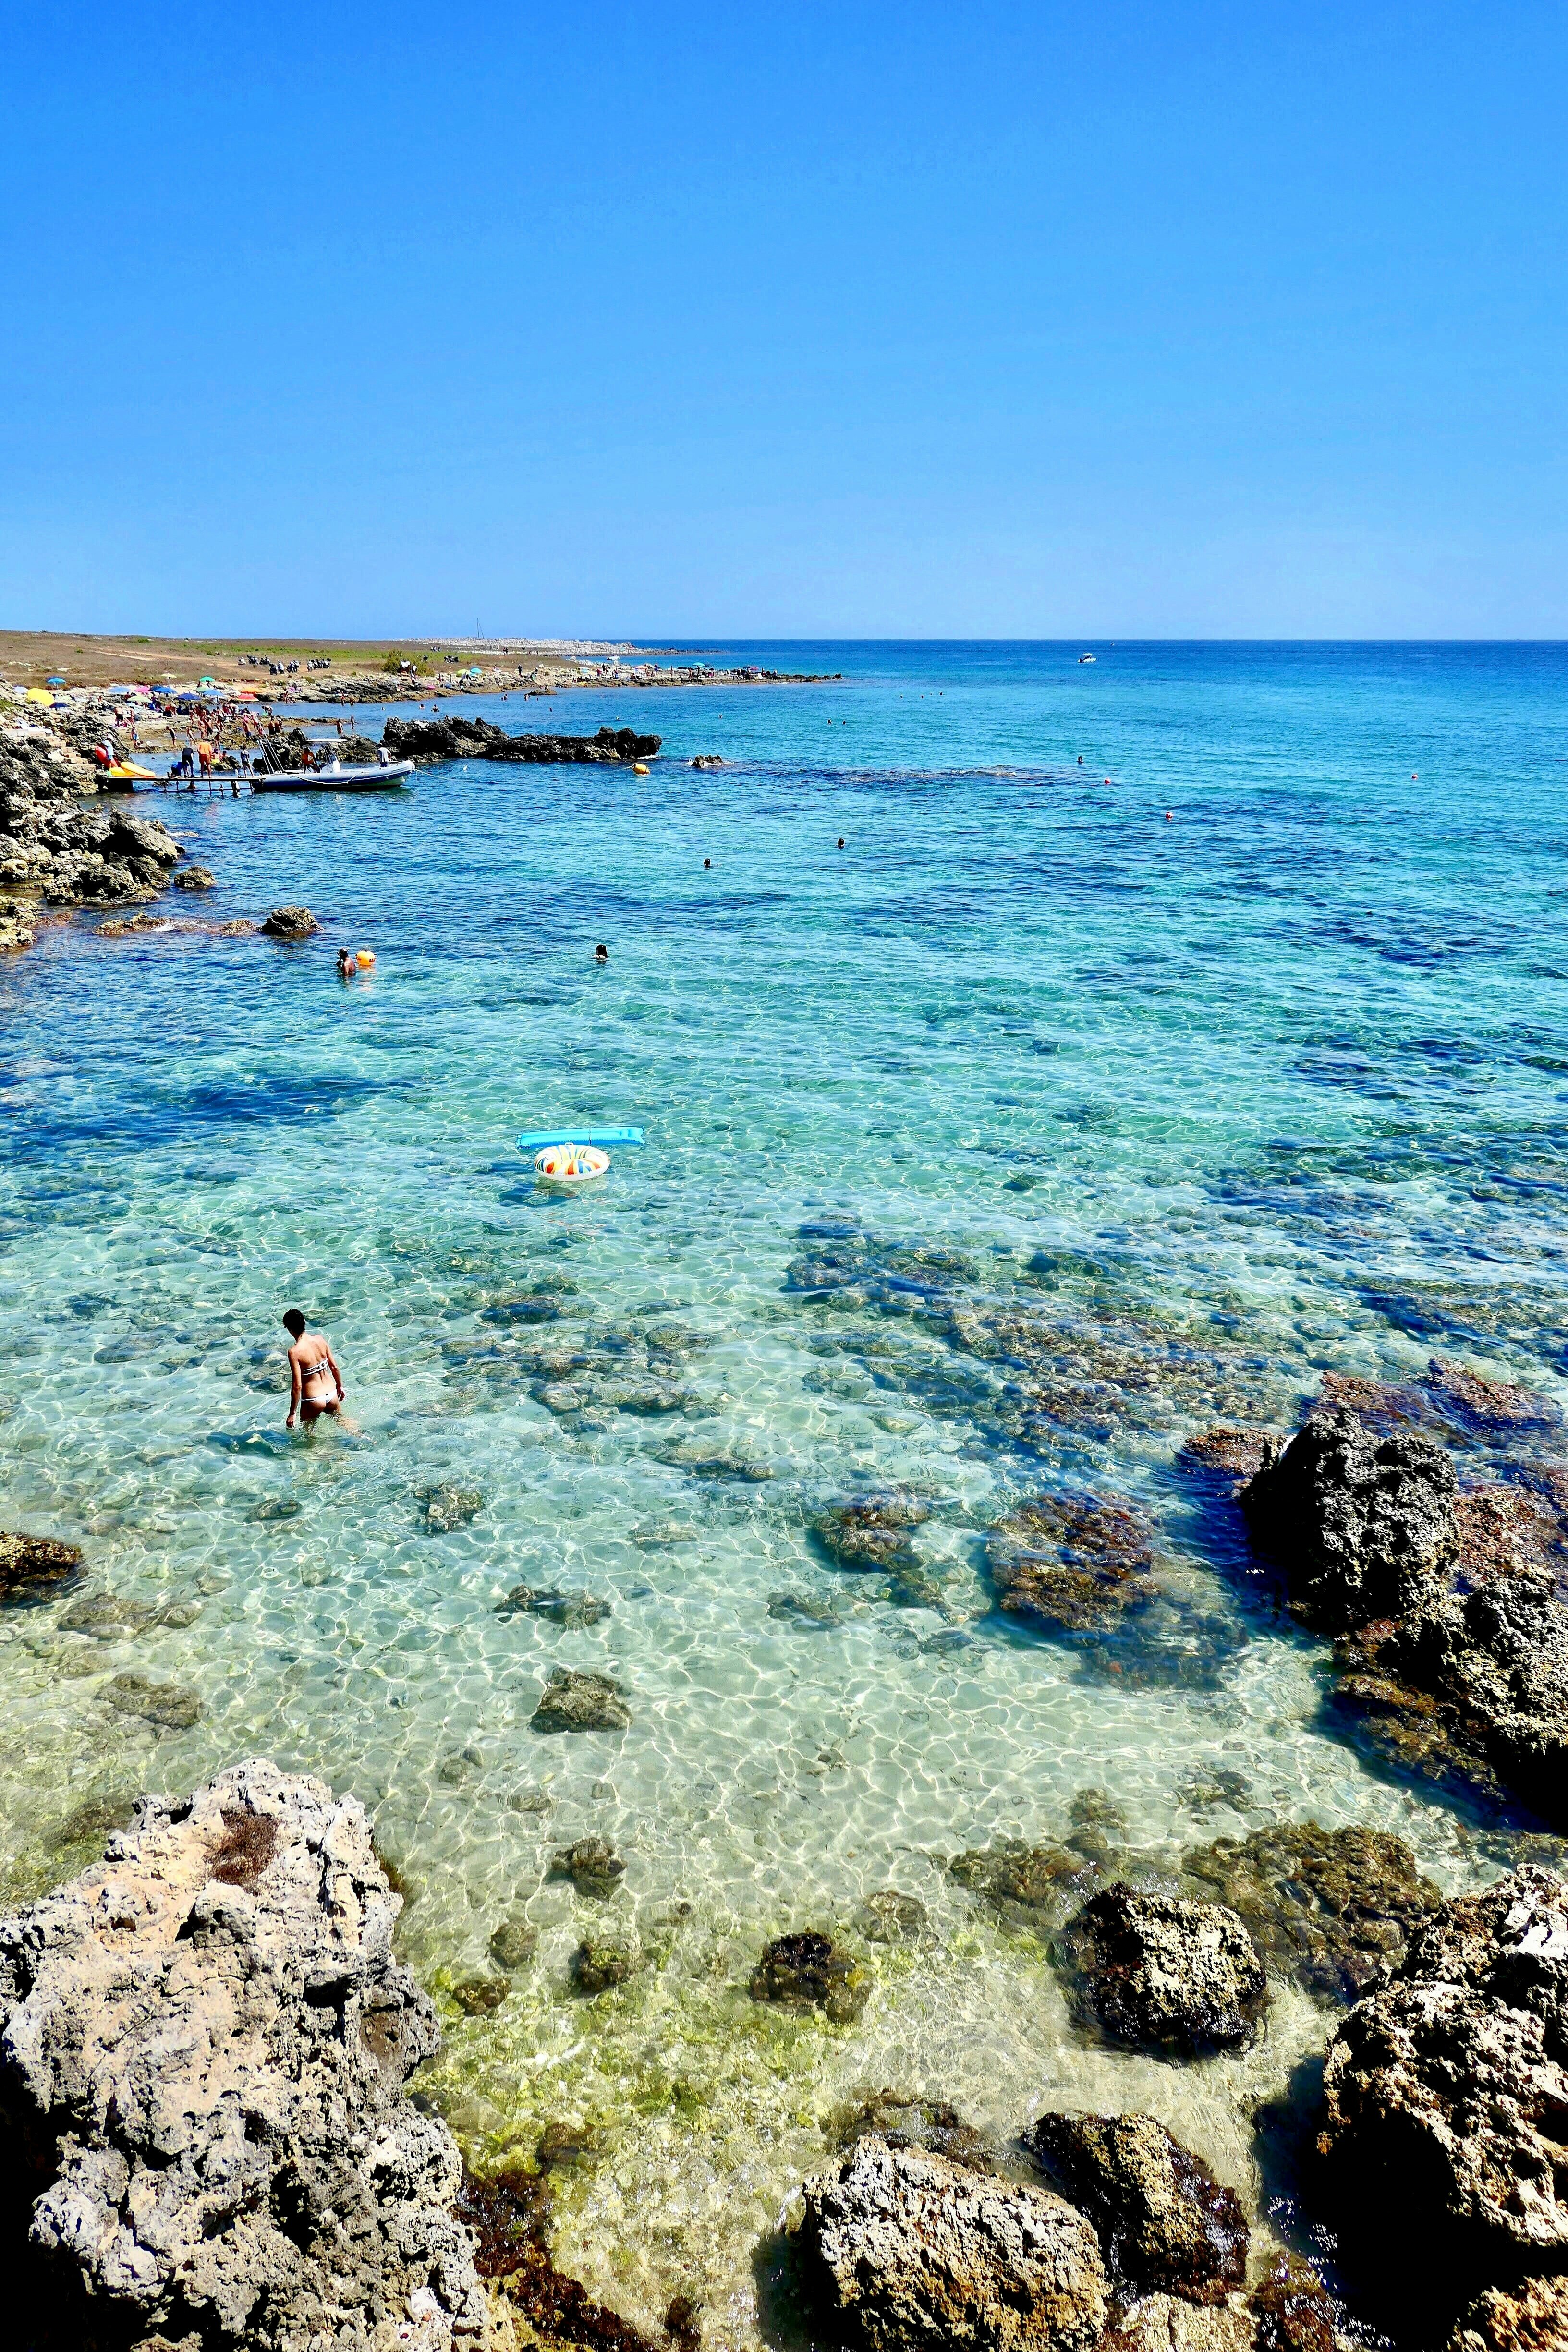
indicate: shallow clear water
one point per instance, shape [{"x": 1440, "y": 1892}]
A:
[{"x": 1273, "y": 1084}]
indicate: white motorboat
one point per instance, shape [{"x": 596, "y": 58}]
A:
[
  {"x": 333, "y": 778},
  {"x": 1086, "y": 657}
]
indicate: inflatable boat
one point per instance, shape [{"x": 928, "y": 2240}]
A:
[{"x": 333, "y": 779}]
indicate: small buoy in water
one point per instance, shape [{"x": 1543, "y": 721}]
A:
[
  {"x": 639, "y": 767},
  {"x": 365, "y": 958},
  {"x": 1169, "y": 814}
]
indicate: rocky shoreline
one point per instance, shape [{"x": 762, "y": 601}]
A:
[
  {"x": 208, "y": 2143},
  {"x": 59, "y": 846}
]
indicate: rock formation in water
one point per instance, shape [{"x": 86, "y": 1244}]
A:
[
  {"x": 428, "y": 741},
  {"x": 204, "y": 2042},
  {"x": 1446, "y": 2102},
  {"x": 1157, "y": 1971},
  {"x": 1067, "y": 1563},
  {"x": 56, "y": 846},
  {"x": 899, "y": 2251},
  {"x": 1166, "y": 2224},
  {"x": 1451, "y": 1608},
  {"x": 1359, "y": 1523}
]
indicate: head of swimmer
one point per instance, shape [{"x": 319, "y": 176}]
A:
[
  {"x": 601, "y": 953},
  {"x": 294, "y": 1324}
]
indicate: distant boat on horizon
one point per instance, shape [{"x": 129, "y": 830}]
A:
[{"x": 1084, "y": 657}]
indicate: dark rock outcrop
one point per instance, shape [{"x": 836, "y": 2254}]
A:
[
  {"x": 194, "y": 877},
  {"x": 1451, "y": 1609},
  {"x": 899, "y": 2251},
  {"x": 206, "y": 2039},
  {"x": 1165, "y": 2223},
  {"x": 1359, "y": 1523},
  {"x": 290, "y": 923},
  {"x": 1158, "y": 1971},
  {"x": 1446, "y": 2098},
  {"x": 428, "y": 741},
  {"x": 1333, "y": 1908}
]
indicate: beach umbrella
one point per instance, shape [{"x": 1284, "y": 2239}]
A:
[
  {"x": 36, "y": 694},
  {"x": 54, "y": 681}
]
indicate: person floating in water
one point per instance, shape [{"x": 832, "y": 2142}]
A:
[
  {"x": 313, "y": 1374},
  {"x": 601, "y": 953}
]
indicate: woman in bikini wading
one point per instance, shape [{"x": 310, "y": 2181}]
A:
[{"x": 315, "y": 1383}]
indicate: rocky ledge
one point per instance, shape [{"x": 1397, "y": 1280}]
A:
[
  {"x": 1445, "y": 2105},
  {"x": 204, "y": 2043},
  {"x": 428, "y": 741},
  {"x": 56, "y": 847}
]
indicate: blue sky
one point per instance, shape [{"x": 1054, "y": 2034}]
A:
[{"x": 1201, "y": 320}]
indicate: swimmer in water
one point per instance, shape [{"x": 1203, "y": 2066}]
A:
[
  {"x": 315, "y": 1383},
  {"x": 705, "y": 864},
  {"x": 841, "y": 841},
  {"x": 601, "y": 953},
  {"x": 348, "y": 965}
]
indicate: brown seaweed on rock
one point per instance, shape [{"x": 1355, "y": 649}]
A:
[
  {"x": 508, "y": 2217},
  {"x": 1164, "y": 2222}
]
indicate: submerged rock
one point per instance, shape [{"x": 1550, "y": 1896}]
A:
[
  {"x": 1031, "y": 1886},
  {"x": 477, "y": 1996},
  {"x": 889, "y": 1917},
  {"x": 195, "y": 877},
  {"x": 206, "y": 2041},
  {"x": 809, "y": 1971},
  {"x": 31, "y": 1564},
  {"x": 514, "y": 1944},
  {"x": 166, "y": 1704},
  {"x": 803, "y": 1609},
  {"x": 1445, "y": 2094},
  {"x": 1488, "y": 1405},
  {"x": 290, "y": 923},
  {"x": 509, "y": 2217},
  {"x": 572, "y": 1610},
  {"x": 105, "y": 1617},
  {"x": 446, "y": 1505},
  {"x": 1069, "y": 1563},
  {"x": 1358, "y": 1522},
  {"x": 580, "y": 1702},
  {"x": 905, "y": 2120},
  {"x": 1164, "y": 2222},
  {"x": 705, "y": 1460},
  {"x": 1238, "y": 1454},
  {"x": 870, "y": 1531},
  {"x": 606, "y": 1958},
  {"x": 1331, "y": 1909},
  {"x": 899, "y": 2251},
  {"x": 1155, "y": 1969},
  {"x": 593, "y": 1865}
]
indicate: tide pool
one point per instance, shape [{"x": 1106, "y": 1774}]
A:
[{"x": 1235, "y": 1054}]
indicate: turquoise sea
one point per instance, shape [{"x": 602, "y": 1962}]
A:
[{"x": 1233, "y": 1053}]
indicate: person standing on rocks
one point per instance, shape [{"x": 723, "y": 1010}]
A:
[{"x": 315, "y": 1383}]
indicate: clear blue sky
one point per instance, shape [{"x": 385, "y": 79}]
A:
[{"x": 864, "y": 321}]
